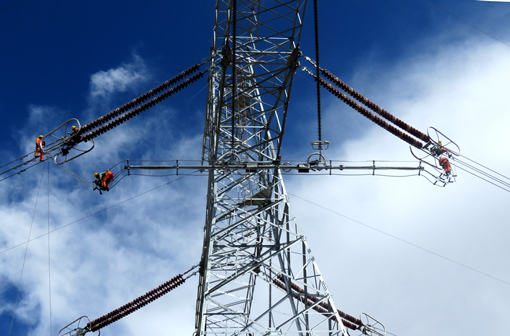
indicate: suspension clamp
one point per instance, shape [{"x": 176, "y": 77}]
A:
[{"x": 320, "y": 145}]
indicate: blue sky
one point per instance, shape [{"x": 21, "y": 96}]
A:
[{"x": 419, "y": 258}]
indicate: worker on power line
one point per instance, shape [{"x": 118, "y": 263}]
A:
[
  {"x": 74, "y": 130},
  {"x": 439, "y": 149},
  {"x": 442, "y": 154},
  {"x": 39, "y": 147},
  {"x": 72, "y": 140},
  {"x": 103, "y": 180},
  {"x": 443, "y": 161}
]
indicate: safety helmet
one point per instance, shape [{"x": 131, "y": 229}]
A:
[
  {"x": 40, "y": 136},
  {"x": 73, "y": 127},
  {"x": 96, "y": 174},
  {"x": 439, "y": 142}
]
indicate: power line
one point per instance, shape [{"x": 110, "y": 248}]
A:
[
  {"x": 466, "y": 22},
  {"x": 484, "y": 173},
  {"x": 95, "y": 213},
  {"x": 26, "y": 251},
  {"x": 49, "y": 254},
  {"x": 405, "y": 241}
]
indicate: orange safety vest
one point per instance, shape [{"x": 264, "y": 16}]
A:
[
  {"x": 445, "y": 164},
  {"x": 108, "y": 177}
]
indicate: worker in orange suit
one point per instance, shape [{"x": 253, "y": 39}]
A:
[
  {"x": 103, "y": 180},
  {"x": 439, "y": 149},
  {"x": 39, "y": 147},
  {"x": 446, "y": 165},
  {"x": 72, "y": 140}
]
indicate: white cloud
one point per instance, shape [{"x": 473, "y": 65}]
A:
[
  {"x": 123, "y": 78},
  {"x": 462, "y": 92},
  {"x": 100, "y": 258},
  {"x": 108, "y": 259}
]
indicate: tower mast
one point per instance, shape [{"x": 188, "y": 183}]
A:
[{"x": 254, "y": 254}]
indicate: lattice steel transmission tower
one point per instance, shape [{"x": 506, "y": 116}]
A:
[{"x": 257, "y": 273}]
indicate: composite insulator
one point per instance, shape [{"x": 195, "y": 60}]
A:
[
  {"x": 369, "y": 115},
  {"x": 139, "y": 100},
  {"x": 280, "y": 284},
  {"x": 385, "y": 114},
  {"x": 130, "y": 114},
  {"x": 349, "y": 325},
  {"x": 348, "y": 320},
  {"x": 136, "y": 304}
]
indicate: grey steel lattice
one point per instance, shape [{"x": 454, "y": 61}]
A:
[{"x": 251, "y": 240}]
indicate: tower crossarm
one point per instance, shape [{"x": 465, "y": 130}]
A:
[{"x": 247, "y": 168}]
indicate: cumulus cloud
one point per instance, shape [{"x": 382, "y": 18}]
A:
[
  {"x": 405, "y": 252},
  {"x": 120, "y": 79},
  {"x": 413, "y": 251},
  {"x": 105, "y": 250}
]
